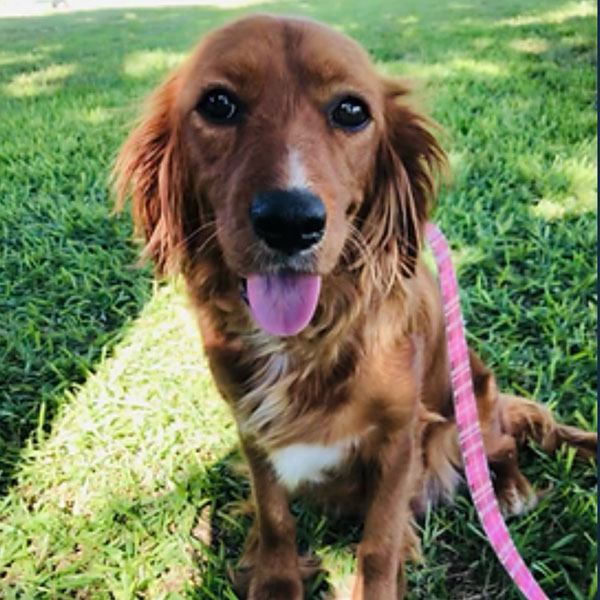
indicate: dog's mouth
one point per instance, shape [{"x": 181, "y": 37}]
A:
[{"x": 282, "y": 304}]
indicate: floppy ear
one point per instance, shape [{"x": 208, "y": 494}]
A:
[
  {"x": 402, "y": 189},
  {"x": 150, "y": 168}
]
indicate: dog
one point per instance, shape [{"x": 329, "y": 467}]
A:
[{"x": 289, "y": 183}]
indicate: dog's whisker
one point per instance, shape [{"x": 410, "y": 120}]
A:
[
  {"x": 196, "y": 232},
  {"x": 206, "y": 244}
]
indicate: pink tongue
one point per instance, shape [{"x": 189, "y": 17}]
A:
[{"x": 283, "y": 304}]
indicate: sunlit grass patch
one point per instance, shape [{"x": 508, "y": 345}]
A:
[
  {"x": 531, "y": 45},
  {"x": 127, "y": 449},
  {"x": 10, "y": 57},
  {"x": 150, "y": 62},
  {"x": 568, "y": 187},
  {"x": 42, "y": 81},
  {"x": 570, "y": 10},
  {"x": 557, "y": 209},
  {"x": 96, "y": 115},
  {"x": 482, "y": 67},
  {"x": 446, "y": 69}
]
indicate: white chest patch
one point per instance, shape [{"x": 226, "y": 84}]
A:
[{"x": 308, "y": 462}]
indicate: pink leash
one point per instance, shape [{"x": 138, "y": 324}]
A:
[{"x": 469, "y": 433}]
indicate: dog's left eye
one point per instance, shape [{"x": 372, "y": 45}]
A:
[
  {"x": 350, "y": 113},
  {"x": 219, "y": 106}
]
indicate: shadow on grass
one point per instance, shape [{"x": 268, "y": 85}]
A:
[
  {"x": 63, "y": 309},
  {"x": 67, "y": 286},
  {"x": 327, "y": 540}
]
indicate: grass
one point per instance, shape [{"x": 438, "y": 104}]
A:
[{"x": 117, "y": 458}]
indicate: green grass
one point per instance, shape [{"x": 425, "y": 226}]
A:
[{"x": 117, "y": 458}]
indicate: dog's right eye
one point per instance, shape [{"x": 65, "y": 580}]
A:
[{"x": 219, "y": 106}]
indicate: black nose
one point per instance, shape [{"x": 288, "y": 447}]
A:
[{"x": 288, "y": 220}]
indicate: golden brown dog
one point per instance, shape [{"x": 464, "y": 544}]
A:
[{"x": 290, "y": 184}]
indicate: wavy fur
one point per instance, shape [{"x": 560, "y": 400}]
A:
[{"x": 371, "y": 367}]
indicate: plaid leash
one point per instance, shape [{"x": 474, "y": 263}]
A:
[{"x": 469, "y": 432}]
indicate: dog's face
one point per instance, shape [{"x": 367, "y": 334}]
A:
[
  {"x": 278, "y": 140},
  {"x": 281, "y": 121}
]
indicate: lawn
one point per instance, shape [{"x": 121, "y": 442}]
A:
[{"x": 119, "y": 475}]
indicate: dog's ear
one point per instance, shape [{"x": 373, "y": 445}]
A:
[
  {"x": 150, "y": 168},
  {"x": 403, "y": 185}
]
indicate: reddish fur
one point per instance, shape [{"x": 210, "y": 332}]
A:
[{"x": 372, "y": 363}]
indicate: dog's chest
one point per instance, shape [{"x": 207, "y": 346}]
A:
[
  {"x": 309, "y": 463},
  {"x": 303, "y": 446}
]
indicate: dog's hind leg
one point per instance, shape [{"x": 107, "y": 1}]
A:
[
  {"x": 524, "y": 419},
  {"x": 507, "y": 422}
]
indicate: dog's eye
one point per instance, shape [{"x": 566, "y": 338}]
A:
[
  {"x": 349, "y": 113},
  {"x": 219, "y": 106}
]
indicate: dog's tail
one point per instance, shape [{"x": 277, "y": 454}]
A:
[{"x": 525, "y": 419}]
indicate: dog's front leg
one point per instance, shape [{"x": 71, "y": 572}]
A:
[
  {"x": 380, "y": 572},
  {"x": 276, "y": 575}
]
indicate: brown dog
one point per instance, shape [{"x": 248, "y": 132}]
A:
[{"x": 290, "y": 183}]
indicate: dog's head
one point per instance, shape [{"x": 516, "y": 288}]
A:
[{"x": 278, "y": 146}]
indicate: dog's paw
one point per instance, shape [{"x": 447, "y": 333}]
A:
[
  {"x": 514, "y": 501},
  {"x": 516, "y": 495},
  {"x": 246, "y": 576},
  {"x": 273, "y": 586}
]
